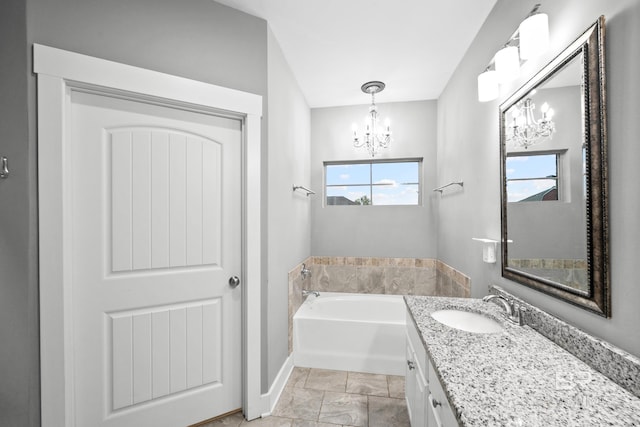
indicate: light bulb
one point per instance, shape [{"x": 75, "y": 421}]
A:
[
  {"x": 507, "y": 64},
  {"x": 534, "y": 36},
  {"x": 550, "y": 113},
  {"x": 544, "y": 108},
  {"x": 488, "y": 89}
]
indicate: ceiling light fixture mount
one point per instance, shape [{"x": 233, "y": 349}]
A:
[{"x": 375, "y": 136}]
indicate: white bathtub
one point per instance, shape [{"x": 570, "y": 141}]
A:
[{"x": 351, "y": 332}]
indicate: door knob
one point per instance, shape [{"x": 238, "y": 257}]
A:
[{"x": 234, "y": 281}]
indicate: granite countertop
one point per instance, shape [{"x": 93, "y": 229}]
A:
[{"x": 516, "y": 377}]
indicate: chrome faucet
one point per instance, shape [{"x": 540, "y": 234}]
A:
[
  {"x": 306, "y": 292},
  {"x": 512, "y": 309},
  {"x": 305, "y": 272}
]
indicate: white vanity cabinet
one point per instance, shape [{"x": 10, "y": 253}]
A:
[
  {"x": 426, "y": 402},
  {"x": 417, "y": 374}
]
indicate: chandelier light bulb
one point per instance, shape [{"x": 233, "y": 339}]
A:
[
  {"x": 534, "y": 36},
  {"x": 549, "y": 114}
]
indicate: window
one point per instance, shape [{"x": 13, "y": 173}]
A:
[
  {"x": 374, "y": 182},
  {"x": 532, "y": 178}
]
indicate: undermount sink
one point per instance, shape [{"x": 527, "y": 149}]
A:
[{"x": 467, "y": 321}]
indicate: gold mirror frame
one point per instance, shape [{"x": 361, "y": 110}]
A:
[{"x": 597, "y": 299}]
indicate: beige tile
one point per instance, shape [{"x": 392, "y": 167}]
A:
[
  {"x": 443, "y": 286},
  {"x": 370, "y": 280},
  {"x": 399, "y": 280},
  {"x": 364, "y": 262},
  {"x": 396, "y": 386},
  {"x": 268, "y": 422},
  {"x": 306, "y": 423},
  {"x": 271, "y": 421},
  {"x": 405, "y": 262},
  {"x": 324, "y": 379},
  {"x": 369, "y": 384},
  {"x": 320, "y": 278},
  {"x": 344, "y": 408},
  {"x": 385, "y": 412},
  {"x": 456, "y": 289},
  {"x": 298, "y": 377},
  {"x": 425, "y": 282},
  {"x": 299, "y": 403},
  {"x": 233, "y": 420},
  {"x": 342, "y": 278}
]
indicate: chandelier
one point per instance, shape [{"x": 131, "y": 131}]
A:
[
  {"x": 526, "y": 130},
  {"x": 375, "y": 135}
]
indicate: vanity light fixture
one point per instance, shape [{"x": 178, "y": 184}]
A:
[
  {"x": 530, "y": 40},
  {"x": 488, "y": 88},
  {"x": 525, "y": 130},
  {"x": 534, "y": 35},
  {"x": 375, "y": 135},
  {"x": 507, "y": 63}
]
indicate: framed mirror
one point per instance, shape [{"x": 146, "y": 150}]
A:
[{"x": 553, "y": 148}]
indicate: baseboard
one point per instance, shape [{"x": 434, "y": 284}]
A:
[{"x": 278, "y": 385}]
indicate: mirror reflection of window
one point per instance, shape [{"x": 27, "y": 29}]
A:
[{"x": 532, "y": 177}]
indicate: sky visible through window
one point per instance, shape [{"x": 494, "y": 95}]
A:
[
  {"x": 384, "y": 183},
  {"x": 530, "y": 175}
]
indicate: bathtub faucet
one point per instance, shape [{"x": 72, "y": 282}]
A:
[
  {"x": 306, "y": 292},
  {"x": 305, "y": 272}
]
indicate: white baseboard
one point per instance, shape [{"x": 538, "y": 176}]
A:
[{"x": 278, "y": 385}]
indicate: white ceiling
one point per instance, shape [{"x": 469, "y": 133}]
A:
[{"x": 334, "y": 46}]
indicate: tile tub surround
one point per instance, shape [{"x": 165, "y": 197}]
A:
[
  {"x": 516, "y": 377},
  {"x": 613, "y": 362},
  {"x": 393, "y": 276}
]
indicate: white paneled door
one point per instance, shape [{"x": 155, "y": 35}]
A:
[{"x": 156, "y": 208}]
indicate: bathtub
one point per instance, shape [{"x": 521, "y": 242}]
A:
[{"x": 351, "y": 332}]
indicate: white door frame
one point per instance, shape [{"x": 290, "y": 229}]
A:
[{"x": 58, "y": 71}]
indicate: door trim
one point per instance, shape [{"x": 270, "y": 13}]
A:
[{"x": 58, "y": 72}]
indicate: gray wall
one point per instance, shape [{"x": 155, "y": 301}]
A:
[
  {"x": 19, "y": 361},
  {"x": 289, "y": 212},
  {"x": 375, "y": 231},
  {"x": 468, "y": 147}
]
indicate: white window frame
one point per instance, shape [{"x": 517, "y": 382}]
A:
[{"x": 371, "y": 185}]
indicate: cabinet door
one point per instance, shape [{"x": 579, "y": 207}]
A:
[
  {"x": 416, "y": 389},
  {"x": 441, "y": 412},
  {"x": 421, "y": 399},
  {"x": 410, "y": 385}
]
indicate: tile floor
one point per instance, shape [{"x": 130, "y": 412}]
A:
[{"x": 324, "y": 398}]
